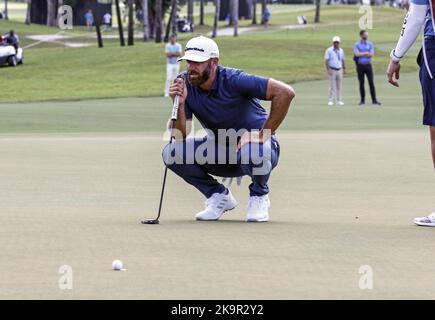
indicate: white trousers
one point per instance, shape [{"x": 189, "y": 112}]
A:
[
  {"x": 335, "y": 79},
  {"x": 172, "y": 71}
]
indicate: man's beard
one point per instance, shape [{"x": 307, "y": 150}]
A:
[{"x": 201, "y": 78}]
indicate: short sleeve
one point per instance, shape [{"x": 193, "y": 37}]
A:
[
  {"x": 342, "y": 54},
  {"x": 355, "y": 48},
  {"x": 420, "y": 2},
  {"x": 326, "y": 55},
  {"x": 250, "y": 85}
]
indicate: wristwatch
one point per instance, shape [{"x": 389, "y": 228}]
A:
[{"x": 393, "y": 56}]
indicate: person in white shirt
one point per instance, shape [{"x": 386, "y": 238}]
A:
[
  {"x": 173, "y": 52},
  {"x": 107, "y": 20},
  {"x": 334, "y": 62}
]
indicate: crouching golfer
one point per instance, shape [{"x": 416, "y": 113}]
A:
[{"x": 240, "y": 136}]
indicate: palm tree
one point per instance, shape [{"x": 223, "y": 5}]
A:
[
  {"x": 263, "y": 8},
  {"x": 317, "y": 16},
  {"x": 158, "y": 21},
  {"x": 201, "y": 12},
  {"x": 171, "y": 20},
  {"x": 121, "y": 31},
  {"x": 174, "y": 18},
  {"x": 254, "y": 11},
  {"x": 235, "y": 16},
  {"x": 217, "y": 4},
  {"x": 51, "y": 13},
  {"x": 6, "y": 10},
  {"x": 146, "y": 30},
  {"x": 190, "y": 10},
  {"x": 58, "y": 14},
  {"x": 130, "y": 40},
  {"x": 96, "y": 22},
  {"x": 29, "y": 7}
]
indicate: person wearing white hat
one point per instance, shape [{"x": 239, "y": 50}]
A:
[
  {"x": 173, "y": 52},
  {"x": 226, "y": 102},
  {"x": 334, "y": 62}
]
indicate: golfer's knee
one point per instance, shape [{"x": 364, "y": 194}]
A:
[{"x": 255, "y": 153}]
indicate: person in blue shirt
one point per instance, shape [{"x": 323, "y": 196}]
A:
[
  {"x": 266, "y": 17},
  {"x": 421, "y": 14},
  {"x": 363, "y": 53},
  {"x": 89, "y": 17},
  {"x": 240, "y": 136}
]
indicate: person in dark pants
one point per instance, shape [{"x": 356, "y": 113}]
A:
[
  {"x": 363, "y": 53},
  {"x": 240, "y": 138},
  {"x": 420, "y": 16}
]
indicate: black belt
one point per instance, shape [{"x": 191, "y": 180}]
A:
[{"x": 336, "y": 69}]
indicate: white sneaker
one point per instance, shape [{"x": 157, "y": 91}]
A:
[
  {"x": 216, "y": 205},
  {"x": 428, "y": 221},
  {"x": 340, "y": 103},
  {"x": 258, "y": 209},
  {"x": 330, "y": 103}
]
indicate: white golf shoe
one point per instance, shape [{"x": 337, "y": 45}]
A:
[
  {"x": 428, "y": 221},
  {"x": 340, "y": 103},
  {"x": 258, "y": 209},
  {"x": 330, "y": 103},
  {"x": 216, "y": 205}
]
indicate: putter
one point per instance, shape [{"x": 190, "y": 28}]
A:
[{"x": 171, "y": 127}]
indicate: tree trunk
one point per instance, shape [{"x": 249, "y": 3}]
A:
[
  {"x": 317, "y": 16},
  {"x": 151, "y": 19},
  {"x": 121, "y": 31},
  {"x": 6, "y": 10},
  {"x": 146, "y": 30},
  {"x": 29, "y": 7},
  {"x": 217, "y": 4},
  {"x": 51, "y": 13},
  {"x": 174, "y": 18},
  {"x": 97, "y": 29},
  {"x": 96, "y": 22},
  {"x": 130, "y": 40},
  {"x": 59, "y": 4},
  {"x": 171, "y": 20},
  {"x": 190, "y": 10},
  {"x": 254, "y": 11},
  {"x": 263, "y": 8},
  {"x": 158, "y": 21},
  {"x": 201, "y": 13},
  {"x": 235, "y": 15}
]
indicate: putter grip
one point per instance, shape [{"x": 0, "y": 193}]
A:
[{"x": 175, "y": 108}]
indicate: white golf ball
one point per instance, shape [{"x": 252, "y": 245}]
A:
[{"x": 117, "y": 265}]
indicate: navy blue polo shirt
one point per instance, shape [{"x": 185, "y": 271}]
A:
[{"x": 232, "y": 103}]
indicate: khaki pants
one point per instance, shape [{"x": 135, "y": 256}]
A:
[{"x": 335, "y": 79}]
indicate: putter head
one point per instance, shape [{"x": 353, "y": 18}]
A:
[{"x": 150, "y": 221}]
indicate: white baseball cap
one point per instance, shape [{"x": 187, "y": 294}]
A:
[
  {"x": 336, "y": 39},
  {"x": 200, "y": 49}
]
